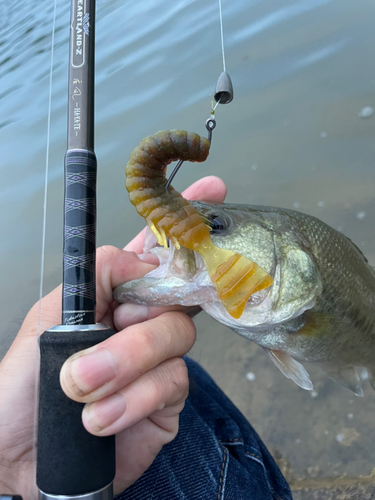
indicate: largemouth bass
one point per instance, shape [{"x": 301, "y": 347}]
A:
[{"x": 320, "y": 308}]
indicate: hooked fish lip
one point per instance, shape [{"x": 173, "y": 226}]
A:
[{"x": 190, "y": 270}]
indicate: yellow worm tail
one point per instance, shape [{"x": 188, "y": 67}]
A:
[{"x": 168, "y": 214}]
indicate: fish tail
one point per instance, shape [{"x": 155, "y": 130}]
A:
[{"x": 235, "y": 277}]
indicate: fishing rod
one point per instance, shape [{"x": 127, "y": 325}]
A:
[{"x": 71, "y": 462}]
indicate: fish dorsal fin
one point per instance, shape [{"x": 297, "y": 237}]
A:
[
  {"x": 347, "y": 378},
  {"x": 291, "y": 368}
]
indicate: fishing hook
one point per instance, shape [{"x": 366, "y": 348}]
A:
[
  {"x": 223, "y": 95},
  {"x": 210, "y": 125}
]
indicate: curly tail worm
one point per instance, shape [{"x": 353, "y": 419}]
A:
[{"x": 168, "y": 214}]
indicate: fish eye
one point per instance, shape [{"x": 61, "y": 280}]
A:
[{"x": 218, "y": 223}]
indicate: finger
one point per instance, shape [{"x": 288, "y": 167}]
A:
[
  {"x": 211, "y": 189},
  {"x": 104, "y": 369},
  {"x": 164, "y": 387},
  {"x": 115, "y": 267},
  {"x": 130, "y": 314},
  {"x": 136, "y": 244}
]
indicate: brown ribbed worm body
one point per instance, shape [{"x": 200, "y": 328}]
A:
[{"x": 168, "y": 214}]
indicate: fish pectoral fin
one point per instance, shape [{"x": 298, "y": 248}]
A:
[
  {"x": 348, "y": 378},
  {"x": 291, "y": 368}
]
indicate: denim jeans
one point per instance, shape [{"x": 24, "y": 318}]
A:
[{"x": 216, "y": 455}]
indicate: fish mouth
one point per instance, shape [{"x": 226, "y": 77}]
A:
[
  {"x": 181, "y": 274},
  {"x": 182, "y": 278}
]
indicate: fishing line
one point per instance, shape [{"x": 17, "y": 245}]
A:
[
  {"x": 222, "y": 35},
  {"x": 223, "y": 95},
  {"x": 46, "y": 170},
  {"x": 214, "y": 107},
  {"x": 44, "y": 224}
]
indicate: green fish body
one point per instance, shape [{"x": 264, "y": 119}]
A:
[{"x": 320, "y": 308}]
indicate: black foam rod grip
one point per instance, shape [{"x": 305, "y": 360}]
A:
[{"x": 70, "y": 460}]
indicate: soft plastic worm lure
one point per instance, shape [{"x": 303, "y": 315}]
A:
[{"x": 168, "y": 214}]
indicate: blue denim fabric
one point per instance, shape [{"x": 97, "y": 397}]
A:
[{"x": 216, "y": 455}]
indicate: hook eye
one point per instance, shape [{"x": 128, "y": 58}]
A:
[{"x": 210, "y": 125}]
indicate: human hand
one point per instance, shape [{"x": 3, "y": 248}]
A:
[{"x": 134, "y": 384}]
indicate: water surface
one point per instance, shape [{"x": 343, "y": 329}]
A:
[{"x": 294, "y": 136}]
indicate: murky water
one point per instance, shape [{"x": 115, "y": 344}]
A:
[{"x": 300, "y": 134}]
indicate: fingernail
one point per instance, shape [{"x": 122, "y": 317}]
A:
[
  {"x": 85, "y": 373},
  {"x": 101, "y": 414}
]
